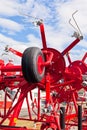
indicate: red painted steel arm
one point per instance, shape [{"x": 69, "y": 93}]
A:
[
  {"x": 84, "y": 58},
  {"x": 68, "y": 57},
  {"x": 70, "y": 46},
  {"x": 15, "y": 52},
  {"x": 47, "y": 88},
  {"x": 43, "y": 36},
  {"x": 10, "y": 68}
]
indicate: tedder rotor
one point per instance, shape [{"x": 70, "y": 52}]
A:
[{"x": 56, "y": 84}]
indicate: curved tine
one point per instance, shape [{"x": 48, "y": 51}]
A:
[
  {"x": 76, "y": 22},
  {"x": 72, "y": 25},
  {"x": 36, "y": 22},
  {"x": 24, "y": 14},
  {"x": 74, "y": 13}
]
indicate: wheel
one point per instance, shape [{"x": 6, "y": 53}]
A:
[{"x": 31, "y": 64}]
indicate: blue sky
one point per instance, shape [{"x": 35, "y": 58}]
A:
[{"x": 18, "y": 31}]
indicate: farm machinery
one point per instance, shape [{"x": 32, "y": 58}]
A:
[{"x": 44, "y": 70}]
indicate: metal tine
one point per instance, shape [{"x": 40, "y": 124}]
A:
[{"x": 77, "y": 29}]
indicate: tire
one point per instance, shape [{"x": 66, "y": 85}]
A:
[{"x": 32, "y": 70}]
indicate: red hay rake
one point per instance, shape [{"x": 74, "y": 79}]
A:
[{"x": 44, "y": 69}]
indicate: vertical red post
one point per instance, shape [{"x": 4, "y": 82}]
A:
[
  {"x": 28, "y": 106},
  {"x": 75, "y": 103},
  {"x": 5, "y": 103},
  {"x": 47, "y": 87},
  {"x": 68, "y": 57},
  {"x": 43, "y": 36},
  {"x": 38, "y": 103},
  {"x": 84, "y": 58}
]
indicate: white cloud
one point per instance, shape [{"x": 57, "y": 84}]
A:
[
  {"x": 40, "y": 11},
  {"x": 77, "y": 54},
  {"x": 8, "y": 7},
  {"x": 19, "y": 46},
  {"x": 34, "y": 41},
  {"x": 12, "y": 43},
  {"x": 61, "y": 31},
  {"x": 66, "y": 9},
  {"x": 56, "y": 15},
  {"x": 10, "y": 25}
]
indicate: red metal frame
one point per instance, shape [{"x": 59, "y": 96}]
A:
[{"x": 61, "y": 85}]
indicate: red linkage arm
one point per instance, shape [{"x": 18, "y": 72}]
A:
[
  {"x": 70, "y": 46},
  {"x": 43, "y": 36},
  {"x": 40, "y": 23},
  {"x": 15, "y": 52},
  {"x": 85, "y": 56},
  {"x": 10, "y": 68}
]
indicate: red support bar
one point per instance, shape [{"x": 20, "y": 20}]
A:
[
  {"x": 43, "y": 36},
  {"x": 85, "y": 56},
  {"x": 39, "y": 104},
  {"x": 15, "y": 52},
  {"x": 12, "y": 128},
  {"x": 10, "y": 68},
  {"x": 47, "y": 87},
  {"x": 68, "y": 57},
  {"x": 70, "y": 46}
]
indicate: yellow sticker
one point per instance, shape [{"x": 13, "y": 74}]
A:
[{"x": 15, "y": 120}]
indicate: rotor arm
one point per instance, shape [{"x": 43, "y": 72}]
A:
[
  {"x": 77, "y": 34},
  {"x": 13, "y": 51},
  {"x": 42, "y": 31},
  {"x": 43, "y": 36},
  {"x": 70, "y": 46}
]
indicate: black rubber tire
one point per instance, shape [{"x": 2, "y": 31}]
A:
[{"x": 29, "y": 65}]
